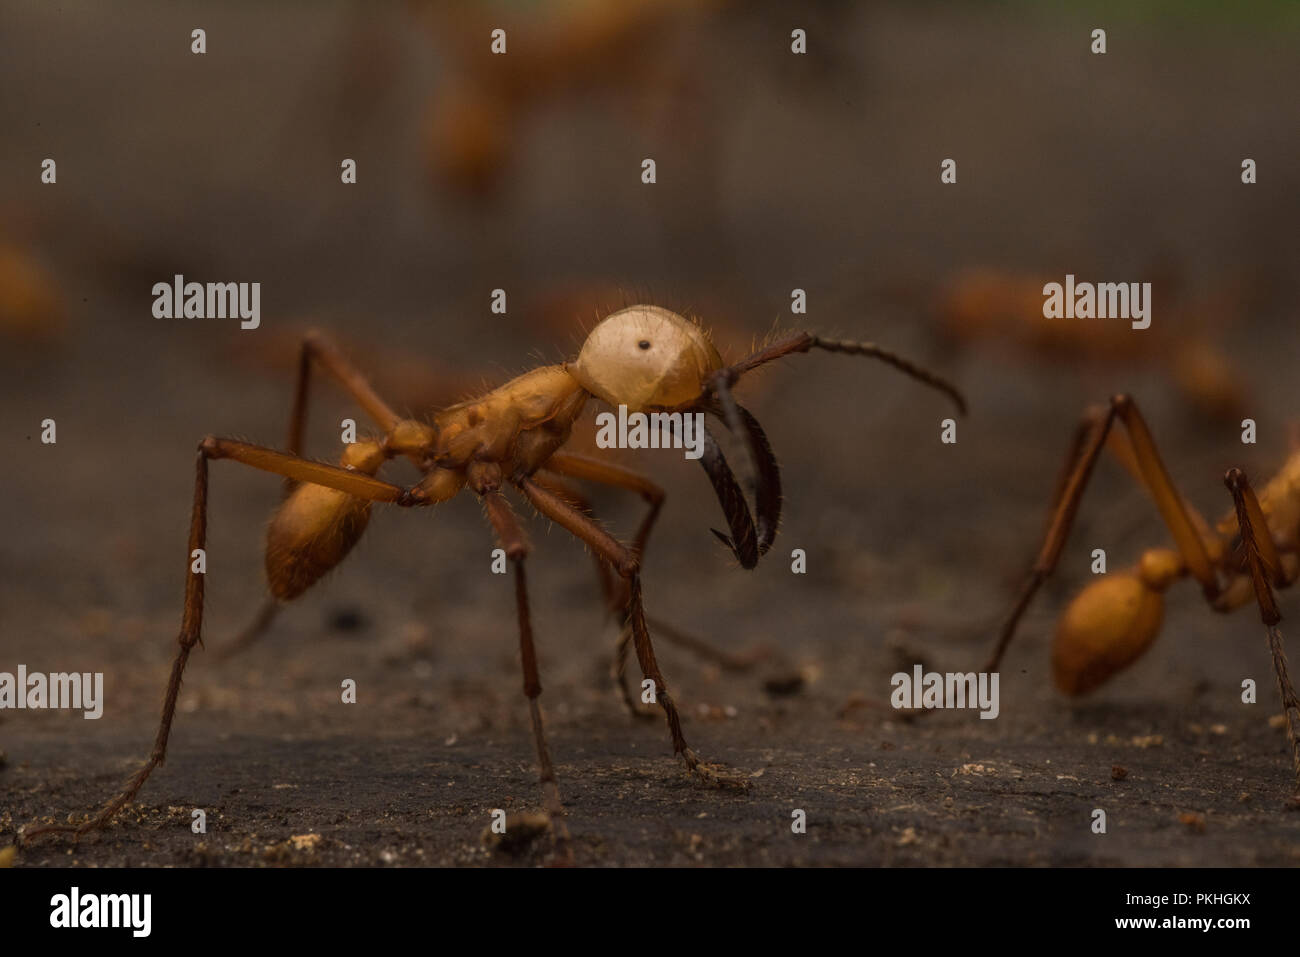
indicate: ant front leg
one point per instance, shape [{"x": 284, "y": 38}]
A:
[
  {"x": 1262, "y": 557},
  {"x": 354, "y": 483},
  {"x": 614, "y": 597},
  {"x": 616, "y": 476},
  {"x": 628, "y": 566},
  {"x": 511, "y": 537}
]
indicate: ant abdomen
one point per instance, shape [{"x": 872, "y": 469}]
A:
[
  {"x": 315, "y": 528},
  {"x": 310, "y": 533},
  {"x": 1108, "y": 626}
]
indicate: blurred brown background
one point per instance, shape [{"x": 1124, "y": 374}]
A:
[{"x": 522, "y": 172}]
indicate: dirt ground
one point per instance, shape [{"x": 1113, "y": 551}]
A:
[{"x": 774, "y": 173}]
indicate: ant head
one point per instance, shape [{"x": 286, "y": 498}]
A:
[
  {"x": 646, "y": 357},
  {"x": 1106, "y": 628}
]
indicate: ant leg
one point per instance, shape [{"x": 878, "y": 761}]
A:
[
  {"x": 251, "y": 632},
  {"x": 1086, "y": 442},
  {"x": 1182, "y": 521},
  {"x": 606, "y": 473},
  {"x": 616, "y": 476},
  {"x": 320, "y": 349},
  {"x": 191, "y": 628},
  {"x": 316, "y": 346},
  {"x": 614, "y": 601},
  {"x": 725, "y": 660},
  {"x": 618, "y": 672},
  {"x": 355, "y": 483},
  {"x": 511, "y": 537},
  {"x": 628, "y": 566},
  {"x": 1259, "y": 550},
  {"x": 352, "y": 481},
  {"x": 576, "y": 499}
]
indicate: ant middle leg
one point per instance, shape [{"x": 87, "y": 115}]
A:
[
  {"x": 511, "y": 537},
  {"x": 614, "y": 597}
]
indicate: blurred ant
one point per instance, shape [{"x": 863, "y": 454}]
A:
[
  {"x": 985, "y": 305},
  {"x": 1112, "y": 622}
]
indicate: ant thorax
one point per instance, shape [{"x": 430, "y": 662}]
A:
[{"x": 519, "y": 424}]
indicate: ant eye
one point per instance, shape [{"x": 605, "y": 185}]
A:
[{"x": 644, "y": 343}]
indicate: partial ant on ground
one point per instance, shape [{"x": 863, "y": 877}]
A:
[{"x": 1253, "y": 549}]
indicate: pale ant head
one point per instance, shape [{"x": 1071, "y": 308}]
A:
[{"x": 646, "y": 357}]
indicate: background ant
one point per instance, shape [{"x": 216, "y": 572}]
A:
[{"x": 1113, "y": 621}]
